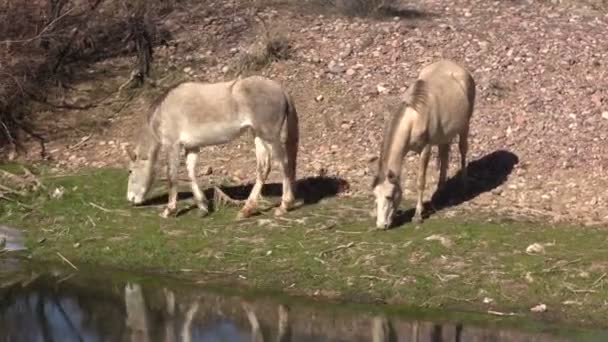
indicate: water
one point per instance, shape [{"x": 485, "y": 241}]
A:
[{"x": 50, "y": 303}]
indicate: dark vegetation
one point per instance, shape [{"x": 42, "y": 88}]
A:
[
  {"x": 54, "y": 40},
  {"x": 46, "y": 42}
]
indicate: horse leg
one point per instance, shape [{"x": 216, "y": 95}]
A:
[
  {"x": 288, "y": 197},
  {"x": 172, "y": 165},
  {"x": 443, "y": 161},
  {"x": 262, "y": 155},
  {"x": 463, "y": 145},
  {"x": 199, "y": 196},
  {"x": 424, "y": 163}
]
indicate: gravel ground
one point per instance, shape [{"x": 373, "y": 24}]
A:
[{"x": 540, "y": 125}]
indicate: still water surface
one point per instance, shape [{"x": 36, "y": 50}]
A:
[{"x": 46, "y": 304}]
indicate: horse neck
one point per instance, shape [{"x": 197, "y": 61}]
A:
[
  {"x": 398, "y": 144},
  {"x": 149, "y": 143}
]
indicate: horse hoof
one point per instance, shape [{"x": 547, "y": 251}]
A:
[
  {"x": 280, "y": 211},
  {"x": 417, "y": 219},
  {"x": 243, "y": 214},
  {"x": 166, "y": 213},
  {"x": 203, "y": 211}
]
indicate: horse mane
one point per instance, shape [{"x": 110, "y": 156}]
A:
[
  {"x": 158, "y": 101},
  {"x": 417, "y": 97},
  {"x": 148, "y": 134}
]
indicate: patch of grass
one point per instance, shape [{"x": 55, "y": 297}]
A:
[{"x": 325, "y": 249}]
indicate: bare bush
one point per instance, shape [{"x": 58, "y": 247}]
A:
[
  {"x": 40, "y": 37},
  {"x": 272, "y": 45}
]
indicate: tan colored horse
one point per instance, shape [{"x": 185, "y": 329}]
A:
[
  {"x": 436, "y": 108},
  {"x": 192, "y": 115}
]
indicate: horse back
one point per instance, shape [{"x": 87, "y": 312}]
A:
[{"x": 451, "y": 92}]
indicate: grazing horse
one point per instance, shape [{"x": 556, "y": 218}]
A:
[
  {"x": 192, "y": 115},
  {"x": 436, "y": 108}
]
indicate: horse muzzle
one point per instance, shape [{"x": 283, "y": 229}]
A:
[{"x": 133, "y": 198}]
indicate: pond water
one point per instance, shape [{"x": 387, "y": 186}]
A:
[{"x": 52, "y": 303}]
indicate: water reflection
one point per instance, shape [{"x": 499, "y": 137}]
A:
[{"x": 84, "y": 309}]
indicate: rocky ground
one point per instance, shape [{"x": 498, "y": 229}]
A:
[{"x": 541, "y": 109}]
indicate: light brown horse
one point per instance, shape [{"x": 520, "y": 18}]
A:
[
  {"x": 435, "y": 109},
  {"x": 192, "y": 115}
]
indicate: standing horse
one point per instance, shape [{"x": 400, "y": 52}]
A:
[
  {"x": 192, "y": 115},
  {"x": 436, "y": 108}
]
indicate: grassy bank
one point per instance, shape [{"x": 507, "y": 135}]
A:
[{"x": 324, "y": 249}]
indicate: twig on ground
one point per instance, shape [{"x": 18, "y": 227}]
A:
[
  {"x": 558, "y": 266},
  {"x": 220, "y": 196},
  {"x": 371, "y": 277},
  {"x": 118, "y": 211},
  {"x": 67, "y": 261},
  {"x": 11, "y": 190},
  {"x": 80, "y": 143},
  {"x": 341, "y": 247},
  {"x": 503, "y": 314},
  {"x": 573, "y": 290},
  {"x": 598, "y": 281}
]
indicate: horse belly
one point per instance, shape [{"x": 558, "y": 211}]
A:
[{"x": 207, "y": 135}]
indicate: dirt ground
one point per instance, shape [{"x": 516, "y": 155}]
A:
[{"x": 538, "y": 135}]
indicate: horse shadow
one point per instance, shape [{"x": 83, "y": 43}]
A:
[
  {"x": 307, "y": 190},
  {"x": 483, "y": 175}
]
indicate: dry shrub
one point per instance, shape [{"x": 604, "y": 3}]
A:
[
  {"x": 272, "y": 45},
  {"x": 38, "y": 38}
]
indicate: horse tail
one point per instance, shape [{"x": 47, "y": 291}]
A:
[{"x": 292, "y": 137}]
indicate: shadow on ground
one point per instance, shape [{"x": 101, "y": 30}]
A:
[
  {"x": 309, "y": 190},
  {"x": 362, "y": 9},
  {"x": 484, "y": 174}
]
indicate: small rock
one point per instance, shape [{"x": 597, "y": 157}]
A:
[
  {"x": 605, "y": 115},
  {"x": 319, "y": 98},
  {"x": 58, "y": 192},
  {"x": 187, "y": 70},
  {"x": 77, "y": 244},
  {"x": 539, "y": 308},
  {"x": 535, "y": 248},
  {"x": 225, "y": 69},
  {"x": 207, "y": 171},
  {"x": 442, "y": 239},
  {"x": 488, "y": 300},
  {"x": 347, "y": 51},
  {"x": 350, "y": 72},
  {"x": 529, "y": 277},
  {"x": 381, "y": 89}
]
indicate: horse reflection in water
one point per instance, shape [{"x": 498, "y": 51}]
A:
[{"x": 131, "y": 312}]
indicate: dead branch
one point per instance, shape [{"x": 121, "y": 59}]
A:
[
  {"x": 67, "y": 261},
  {"x": 498, "y": 313},
  {"x": 597, "y": 282},
  {"x": 80, "y": 143},
  {"x": 118, "y": 211},
  {"x": 220, "y": 197},
  {"x": 42, "y": 32},
  {"x": 341, "y": 247}
]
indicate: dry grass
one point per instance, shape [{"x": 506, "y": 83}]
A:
[{"x": 271, "y": 45}]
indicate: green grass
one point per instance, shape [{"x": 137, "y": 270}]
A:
[{"x": 324, "y": 249}]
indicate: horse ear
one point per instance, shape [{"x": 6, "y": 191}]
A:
[{"x": 130, "y": 153}]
